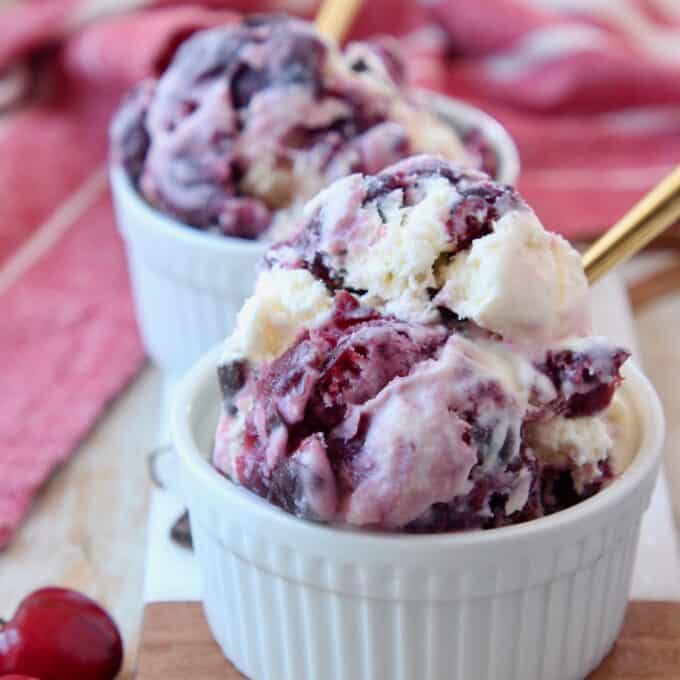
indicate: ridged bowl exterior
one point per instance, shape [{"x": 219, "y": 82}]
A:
[
  {"x": 188, "y": 285},
  {"x": 292, "y": 600}
]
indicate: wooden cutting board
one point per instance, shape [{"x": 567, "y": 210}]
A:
[{"x": 176, "y": 645}]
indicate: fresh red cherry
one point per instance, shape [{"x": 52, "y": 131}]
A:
[
  {"x": 59, "y": 634},
  {"x": 16, "y": 677}
]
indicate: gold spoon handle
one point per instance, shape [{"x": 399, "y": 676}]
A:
[
  {"x": 653, "y": 214},
  {"x": 335, "y": 17}
]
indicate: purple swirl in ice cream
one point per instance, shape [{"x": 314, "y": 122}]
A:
[
  {"x": 252, "y": 119},
  {"x": 417, "y": 357}
]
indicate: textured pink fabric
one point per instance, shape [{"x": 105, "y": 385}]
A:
[
  {"x": 593, "y": 100},
  {"x": 69, "y": 344},
  {"x": 576, "y": 92}
]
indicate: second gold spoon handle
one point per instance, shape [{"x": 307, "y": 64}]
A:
[
  {"x": 648, "y": 218},
  {"x": 335, "y": 17}
]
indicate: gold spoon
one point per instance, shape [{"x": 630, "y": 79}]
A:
[
  {"x": 648, "y": 218},
  {"x": 335, "y": 17}
]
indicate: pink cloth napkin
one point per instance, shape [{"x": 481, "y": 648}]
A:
[
  {"x": 593, "y": 99},
  {"x": 69, "y": 341}
]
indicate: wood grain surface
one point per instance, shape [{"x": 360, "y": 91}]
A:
[
  {"x": 176, "y": 644},
  {"x": 648, "y": 647}
]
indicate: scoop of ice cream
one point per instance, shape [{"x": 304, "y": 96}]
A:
[
  {"x": 252, "y": 119},
  {"x": 327, "y": 430},
  {"x": 383, "y": 376},
  {"x": 346, "y": 391},
  {"x": 572, "y": 443},
  {"x": 623, "y": 430},
  {"x": 425, "y": 236},
  {"x": 520, "y": 280},
  {"x": 283, "y": 302}
]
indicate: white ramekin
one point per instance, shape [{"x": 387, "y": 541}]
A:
[
  {"x": 292, "y": 600},
  {"x": 188, "y": 284}
]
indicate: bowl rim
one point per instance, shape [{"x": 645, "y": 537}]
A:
[
  {"x": 167, "y": 226},
  {"x": 468, "y": 116},
  {"x": 636, "y": 388}
]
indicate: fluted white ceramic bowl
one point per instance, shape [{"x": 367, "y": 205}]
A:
[
  {"x": 189, "y": 284},
  {"x": 288, "y": 599}
]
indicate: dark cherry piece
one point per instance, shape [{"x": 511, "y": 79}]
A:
[
  {"x": 180, "y": 532},
  {"x": 59, "y": 634},
  {"x": 588, "y": 380}
]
